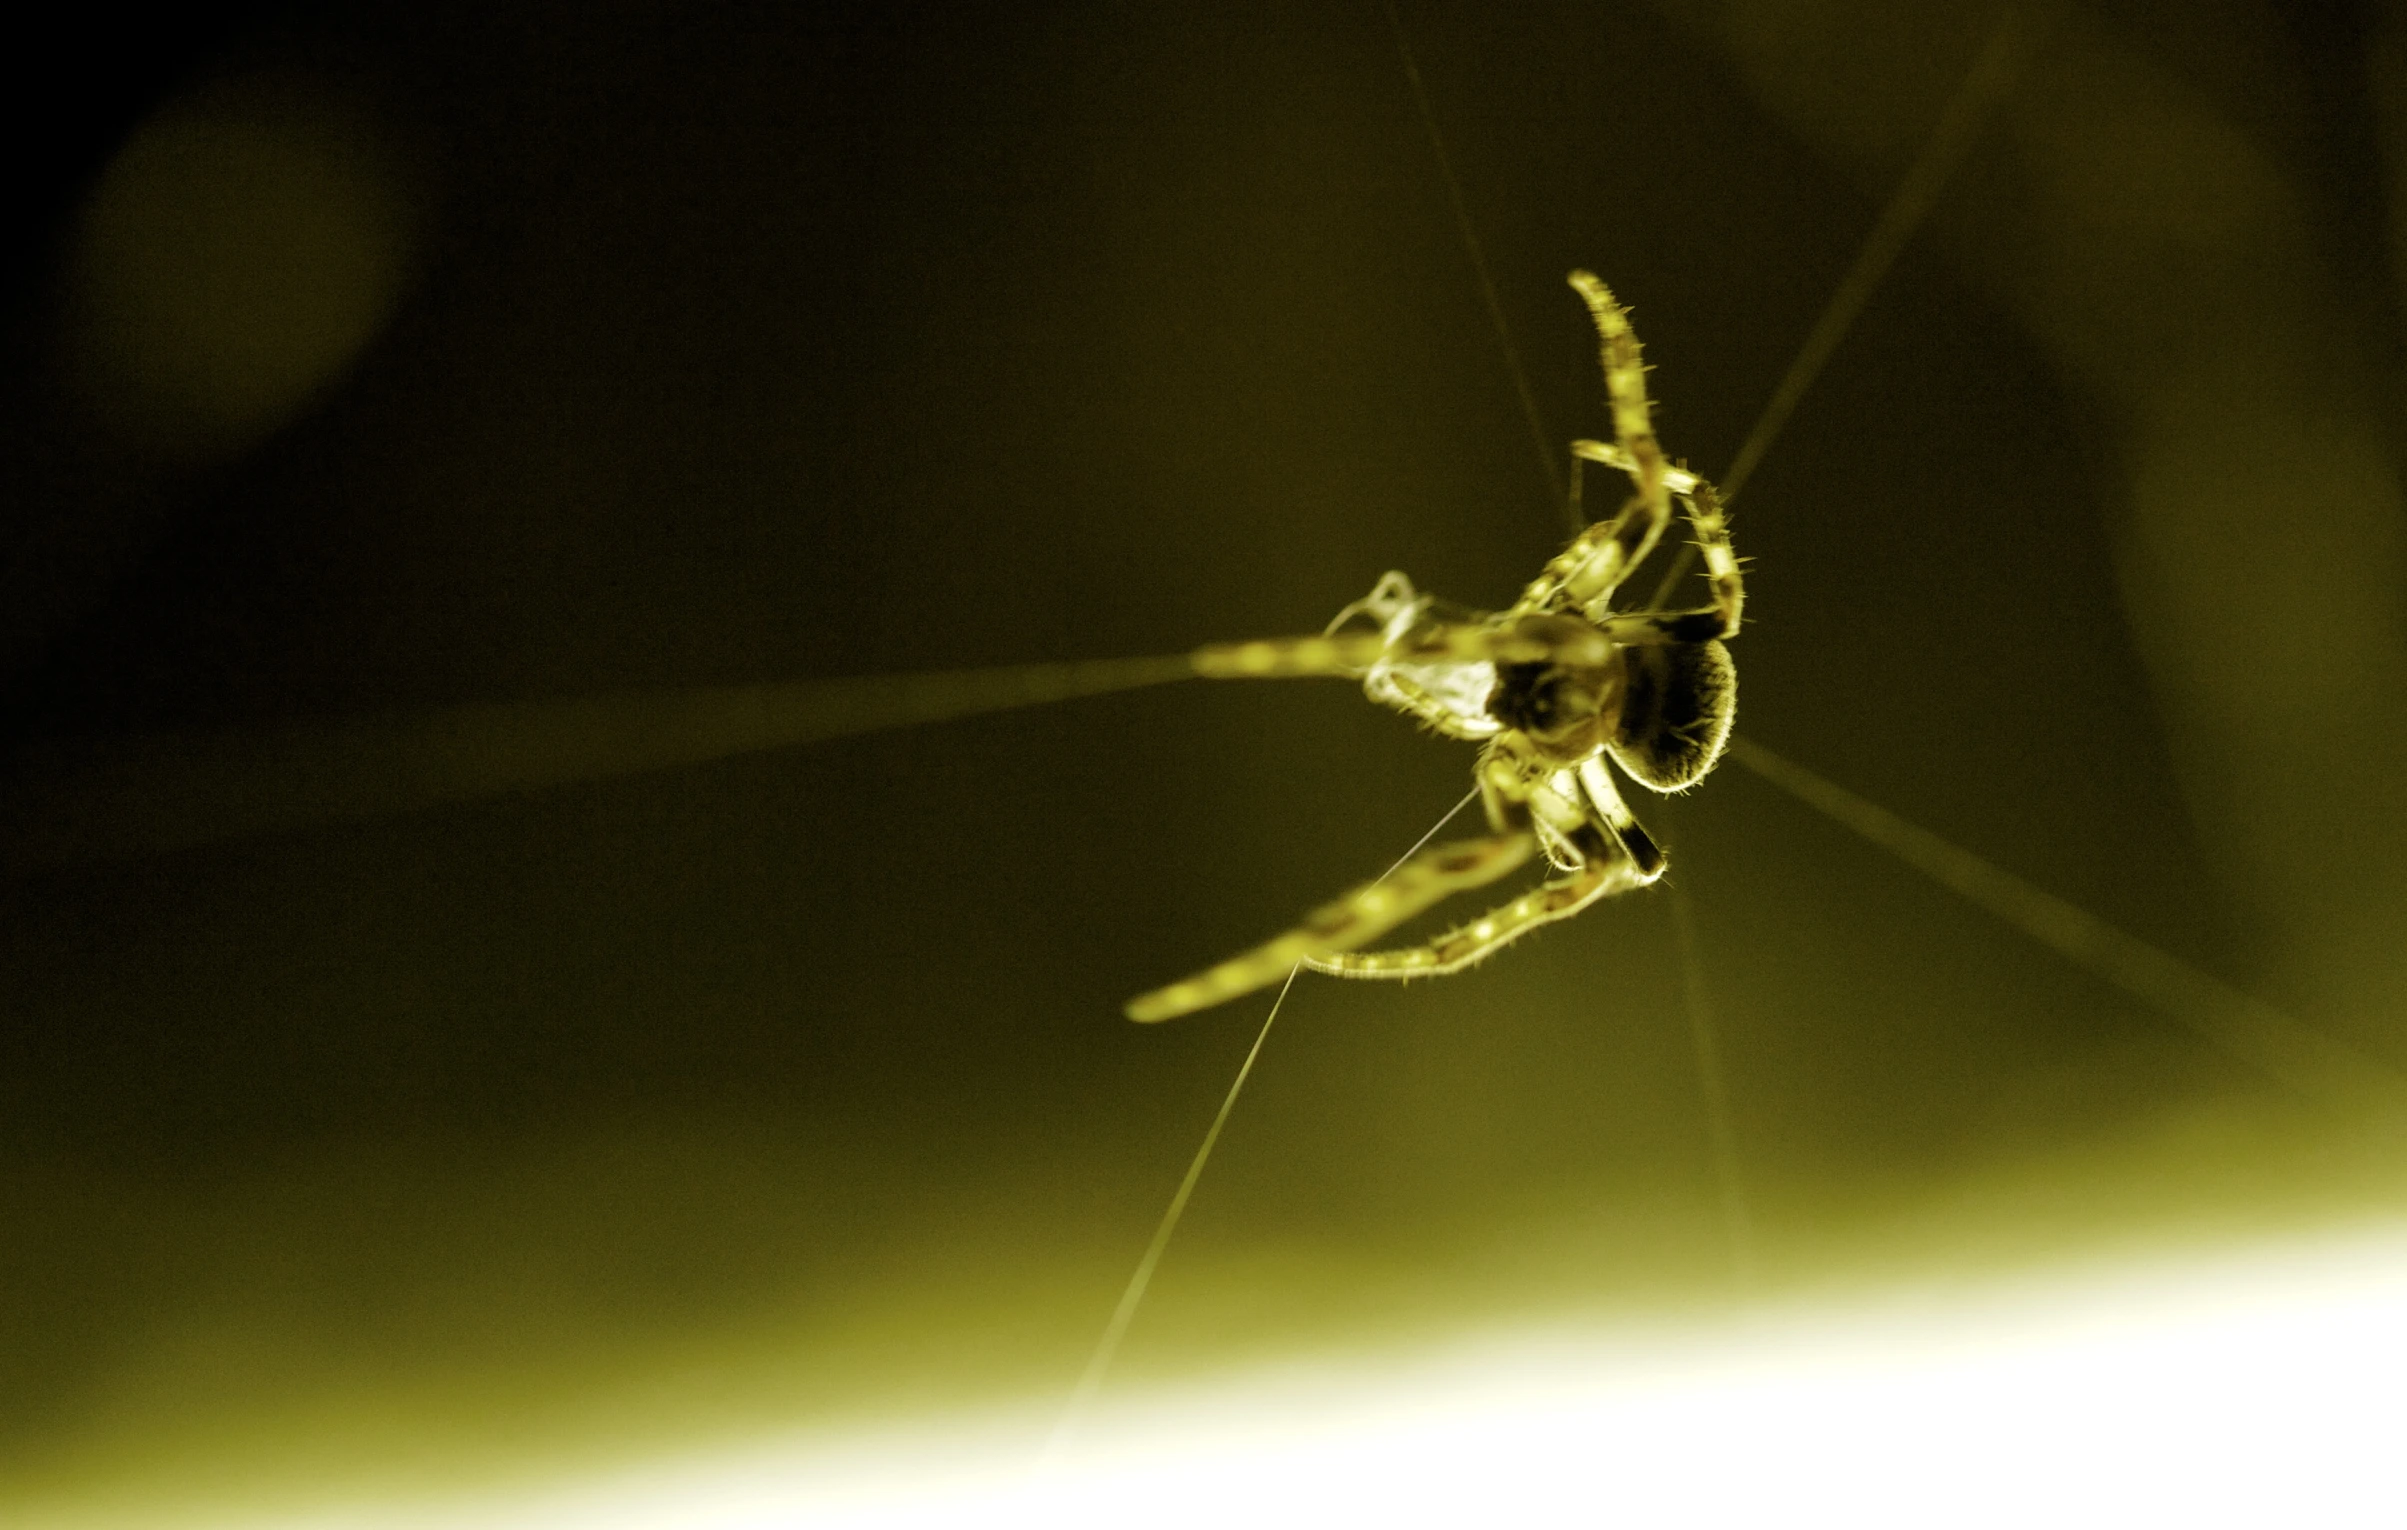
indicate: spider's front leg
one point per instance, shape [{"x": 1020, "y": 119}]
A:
[
  {"x": 1519, "y": 796},
  {"x": 1443, "y": 673}
]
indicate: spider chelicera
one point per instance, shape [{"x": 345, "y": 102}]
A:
[{"x": 1553, "y": 686}]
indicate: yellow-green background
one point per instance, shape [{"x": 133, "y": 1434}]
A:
[{"x": 694, "y": 344}]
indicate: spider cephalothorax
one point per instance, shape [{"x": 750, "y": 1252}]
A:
[
  {"x": 1568, "y": 704},
  {"x": 1552, "y": 688}
]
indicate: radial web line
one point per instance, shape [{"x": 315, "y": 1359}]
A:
[
  {"x": 1422, "y": 843},
  {"x": 1985, "y": 88},
  {"x": 1538, "y": 434},
  {"x": 1090, "y": 1381},
  {"x": 2305, "y": 1059},
  {"x": 69, "y": 801},
  {"x": 1721, "y": 1124}
]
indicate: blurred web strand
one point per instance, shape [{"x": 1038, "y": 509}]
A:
[
  {"x": 1985, "y": 88},
  {"x": 1721, "y": 1125},
  {"x": 1990, "y": 81},
  {"x": 2310, "y": 1062},
  {"x": 1549, "y": 454},
  {"x": 106, "y": 799},
  {"x": 1090, "y": 1381}
]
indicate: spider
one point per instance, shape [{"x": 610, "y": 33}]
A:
[{"x": 1553, "y": 687}]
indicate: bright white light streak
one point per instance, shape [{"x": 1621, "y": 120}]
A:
[{"x": 2265, "y": 1390}]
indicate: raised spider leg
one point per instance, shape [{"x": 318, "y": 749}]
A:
[
  {"x": 1721, "y": 559},
  {"x": 1584, "y": 575}
]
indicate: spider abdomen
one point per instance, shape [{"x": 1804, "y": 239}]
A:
[{"x": 1678, "y": 700}]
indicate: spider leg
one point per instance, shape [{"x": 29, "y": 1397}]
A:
[
  {"x": 1531, "y": 638},
  {"x": 1625, "y": 385},
  {"x": 1359, "y": 917},
  {"x": 1440, "y": 672},
  {"x": 1646, "y": 858},
  {"x": 1584, "y": 575},
  {"x": 1721, "y": 560},
  {"x": 1616, "y": 856},
  {"x": 1677, "y": 480},
  {"x": 1526, "y": 808},
  {"x": 1704, "y": 624},
  {"x": 1345, "y": 654},
  {"x": 1607, "y": 870}
]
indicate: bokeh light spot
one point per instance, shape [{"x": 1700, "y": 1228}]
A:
[{"x": 237, "y": 254}]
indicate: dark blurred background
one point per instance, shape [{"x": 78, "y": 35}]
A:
[{"x": 373, "y": 360}]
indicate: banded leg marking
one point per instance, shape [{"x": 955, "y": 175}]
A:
[
  {"x": 1358, "y": 918},
  {"x": 1490, "y": 932},
  {"x": 1721, "y": 559},
  {"x": 1345, "y": 654},
  {"x": 1638, "y": 846},
  {"x": 1586, "y": 573},
  {"x": 1352, "y": 654},
  {"x": 1625, "y": 384},
  {"x": 1677, "y": 480}
]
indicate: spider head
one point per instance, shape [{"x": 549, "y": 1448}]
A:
[{"x": 1677, "y": 703}]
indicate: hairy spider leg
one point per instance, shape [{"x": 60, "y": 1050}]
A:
[
  {"x": 1528, "y": 809},
  {"x": 1721, "y": 559},
  {"x": 1527, "y": 638},
  {"x": 1581, "y": 823},
  {"x": 1604, "y": 875},
  {"x": 1584, "y": 575},
  {"x": 1601, "y": 858},
  {"x": 1362, "y": 915},
  {"x": 1676, "y": 479},
  {"x": 1646, "y": 857},
  {"x": 1719, "y": 620}
]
